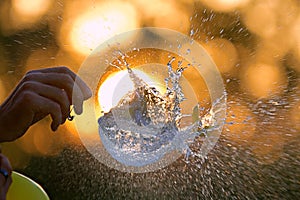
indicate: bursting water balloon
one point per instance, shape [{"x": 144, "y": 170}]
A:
[{"x": 148, "y": 124}]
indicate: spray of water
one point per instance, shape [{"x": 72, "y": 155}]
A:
[{"x": 145, "y": 125}]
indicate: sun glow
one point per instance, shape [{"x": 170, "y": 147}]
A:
[{"x": 118, "y": 85}]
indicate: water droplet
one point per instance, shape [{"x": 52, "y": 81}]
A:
[
  {"x": 192, "y": 32},
  {"x": 18, "y": 41},
  {"x": 60, "y": 18}
]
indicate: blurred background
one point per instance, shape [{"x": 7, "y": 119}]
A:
[{"x": 254, "y": 43}]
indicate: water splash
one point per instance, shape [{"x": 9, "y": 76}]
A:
[{"x": 145, "y": 125}]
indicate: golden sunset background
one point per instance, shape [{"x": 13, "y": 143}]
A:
[{"x": 254, "y": 43}]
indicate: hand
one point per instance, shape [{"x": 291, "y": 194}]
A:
[
  {"x": 40, "y": 93},
  {"x": 5, "y": 179}
]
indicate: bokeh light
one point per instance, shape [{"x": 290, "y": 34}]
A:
[
  {"x": 274, "y": 48},
  {"x": 29, "y": 9},
  {"x": 261, "y": 18},
  {"x": 224, "y": 54},
  {"x": 23, "y": 14},
  {"x": 175, "y": 15},
  {"x": 225, "y": 5},
  {"x": 84, "y": 32},
  {"x": 262, "y": 80},
  {"x": 266, "y": 18}
]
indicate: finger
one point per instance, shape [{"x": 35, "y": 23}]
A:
[
  {"x": 52, "y": 93},
  {"x": 64, "y": 81},
  {"x": 68, "y": 85},
  {"x": 7, "y": 184},
  {"x": 4, "y": 165},
  {"x": 87, "y": 93},
  {"x": 43, "y": 105},
  {"x": 5, "y": 187}
]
